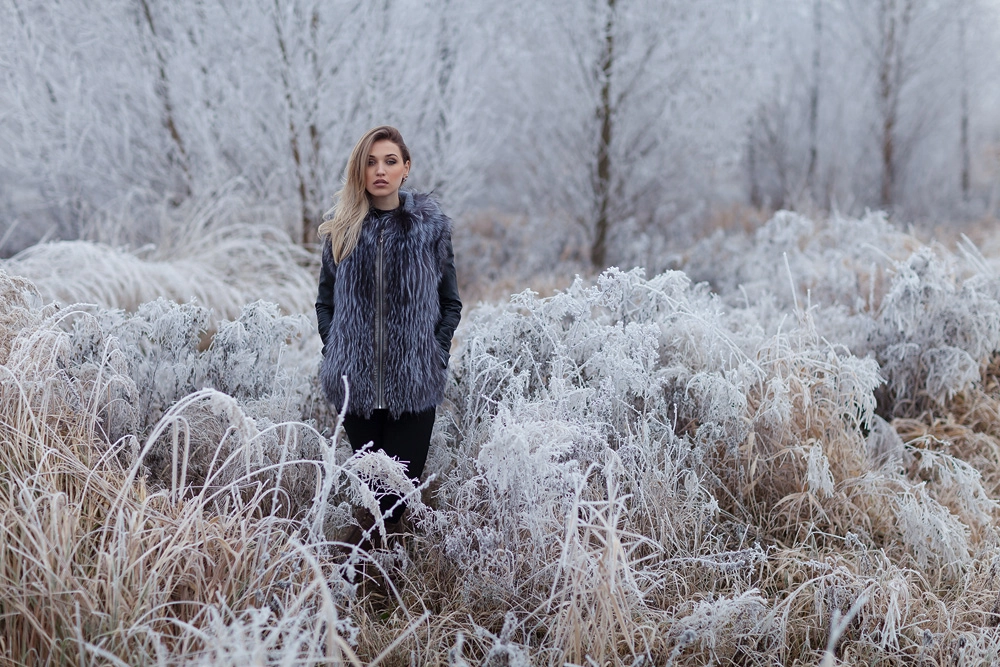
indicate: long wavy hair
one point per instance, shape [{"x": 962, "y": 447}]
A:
[{"x": 342, "y": 223}]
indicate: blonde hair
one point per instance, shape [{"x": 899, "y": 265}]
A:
[{"x": 342, "y": 223}]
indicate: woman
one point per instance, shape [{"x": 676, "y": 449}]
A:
[{"x": 388, "y": 304}]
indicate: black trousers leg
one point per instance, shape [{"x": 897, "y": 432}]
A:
[
  {"x": 407, "y": 438},
  {"x": 361, "y": 431}
]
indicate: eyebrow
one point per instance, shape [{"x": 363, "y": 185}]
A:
[{"x": 388, "y": 155}]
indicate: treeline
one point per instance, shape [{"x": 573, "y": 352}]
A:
[{"x": 621, "y": 123}]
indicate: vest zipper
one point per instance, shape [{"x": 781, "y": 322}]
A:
[{"x": 380, "y": 320}]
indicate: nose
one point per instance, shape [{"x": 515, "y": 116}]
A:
[{"x": 379, "y": 168}]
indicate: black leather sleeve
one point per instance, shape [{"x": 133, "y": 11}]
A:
[
  {"x": 324, "y": 300},
  {"x": 451, "y": 304}
]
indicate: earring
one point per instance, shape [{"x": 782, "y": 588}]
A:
[{"x": 404, "y": 179}]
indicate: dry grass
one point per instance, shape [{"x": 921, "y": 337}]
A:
[{"x": 96, "y": 565}]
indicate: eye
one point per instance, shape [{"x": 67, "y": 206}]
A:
[{"x": 391, "y": 161}]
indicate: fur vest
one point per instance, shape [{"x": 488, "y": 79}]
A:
[{"x": 394, "y": 349}]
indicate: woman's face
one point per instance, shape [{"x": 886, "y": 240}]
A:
[{"x": 385, "y": 172}]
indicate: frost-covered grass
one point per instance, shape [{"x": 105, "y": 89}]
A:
[
  {"x": 795, "y": 461},
  {"x": 228, "y": 269}
]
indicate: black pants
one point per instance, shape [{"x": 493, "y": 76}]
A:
[{"x": 407, "y": 438}]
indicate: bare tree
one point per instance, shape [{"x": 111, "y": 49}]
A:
[
  {"x": 619, "y": 132},
  {"x": 815, "y": 133},
  {"x": 180, "y": 155},
  {"x": 602, "y": 176},
  {"x": 963, "y": 64},
  {"x": 893, "y": 23},
  {"x": 814, "y": 96},
  {"x": 303, "y": 178},
  {"x": 783, "y": 146},
  {"x": 899, "y": 39}
]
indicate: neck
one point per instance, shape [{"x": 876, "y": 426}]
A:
[{"x": 386, "y": 202}]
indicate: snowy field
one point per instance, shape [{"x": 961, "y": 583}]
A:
[{"x": 787, "y": 453}]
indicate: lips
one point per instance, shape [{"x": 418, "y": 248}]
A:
[{"x": 381, "y": 182}]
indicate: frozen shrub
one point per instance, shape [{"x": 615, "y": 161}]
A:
[
  {"x": 930, "y": 317},
  {"x": 778, "y": 422},
  {"x": 159, "y": 347},
  {"x": 266, "y": 360},
  {"x": 723, "y": 629},
  {"x": 795, "y": 260},
  {"x": 522, "y": 490},
  {"x": 935, "y": 329}
]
